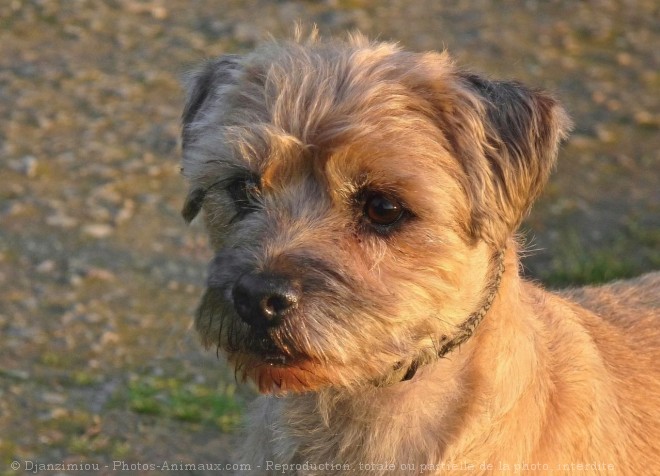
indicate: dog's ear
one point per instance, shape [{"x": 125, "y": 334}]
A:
[
  {"x": 203, "y": 88},
  {"x": 507, "y": 141},
  {"x": 193, "y": 204}
]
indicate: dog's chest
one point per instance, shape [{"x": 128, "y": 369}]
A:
[{"x": 347, "y": 441}]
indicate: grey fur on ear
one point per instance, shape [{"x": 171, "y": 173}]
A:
[
  {"x": 193, "y": 204},
  {"x": 202, "y": 87},
  {"x": 516, "y": 132}
]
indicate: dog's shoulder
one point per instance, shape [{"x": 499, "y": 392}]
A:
[
  {"x": 623, "y": 303},
  {"x": 623, "y": 319}
]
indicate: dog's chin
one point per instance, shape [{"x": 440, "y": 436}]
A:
[{"x": 278, "y": 374}]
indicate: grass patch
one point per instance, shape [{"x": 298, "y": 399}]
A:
[
  {"x": 579, "y": 264},
  {"x": 8, "y": 450},
  {"x": 598, "y": 266},
  {"x": 83, "y": 378},
  {"x": 175, "y": 399},
  {"x": 56, "y": 359}
]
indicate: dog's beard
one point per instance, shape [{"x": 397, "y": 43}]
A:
[
  {"x": 321, "y": 342},
  {"x": 296, "y": 356},
  {"x": 274, "y": 358}
]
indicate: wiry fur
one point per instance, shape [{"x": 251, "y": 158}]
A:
[{"x": 320, "y": 123}]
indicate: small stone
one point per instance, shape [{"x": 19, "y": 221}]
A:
[
  {"x": 58, "y": 413},
  {"x": 604, "y": 134},
  {"x": 159, "y": 12},
  {"x": 26, "y": 165},
  {"x": 126, "y": 212},
  {"x": 14, "y": 208},
  {"x": 97, "y": 230},
  {"x": 61, "y": 221},
  {"x": 100, "y": 274},
  {"x": 46, "y": 267},
  {"x": 645, "y": 118},
  {"x": 109, "y": 338},
  {"x": 624, "y": 59},
  {"x": 53, "y": 398}
]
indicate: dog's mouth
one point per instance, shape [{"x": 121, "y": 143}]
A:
[
  {"x": 277, "y": 359},
  {"x": 278, "y": 373},
  {"x": 271, "y": 354},
  {"x": 274, "y": 366},
  {"x": 267, "y": 356},
  {"x": 264, "y": 347}
]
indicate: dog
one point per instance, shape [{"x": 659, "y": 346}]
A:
[{"x": 362, "y": 203}]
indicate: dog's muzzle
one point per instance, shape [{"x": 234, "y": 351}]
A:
[{"x": 263, "y": 300}]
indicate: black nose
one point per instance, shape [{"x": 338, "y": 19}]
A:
[{"x": 262, "y": 300}]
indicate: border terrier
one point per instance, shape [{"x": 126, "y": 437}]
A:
[{"x": 361, "y": 202}]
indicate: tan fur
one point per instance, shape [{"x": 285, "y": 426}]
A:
[{"x": 546, "y": 383}]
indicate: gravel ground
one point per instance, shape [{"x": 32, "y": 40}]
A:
[{"x": 98, "y": 275}]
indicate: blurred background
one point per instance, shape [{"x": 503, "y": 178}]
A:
[{"x": 99, "y": 276}]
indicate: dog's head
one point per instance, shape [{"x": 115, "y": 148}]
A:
[{"x": 354, "y": 194}]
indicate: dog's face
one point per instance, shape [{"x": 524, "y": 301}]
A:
[{"x": 353, "y": 194}]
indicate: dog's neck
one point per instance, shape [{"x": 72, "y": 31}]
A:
[{"x": 446, "y": 344}]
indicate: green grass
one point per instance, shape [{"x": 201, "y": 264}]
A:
[
  {"x": 172, "y": 398},
  {"x": 597, "y": 266},
  {"x": 578, "y": 263}
]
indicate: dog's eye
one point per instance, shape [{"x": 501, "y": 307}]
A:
[
  {"x": 244, "y": 191},
  {"x": 382, "y": 210}
]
